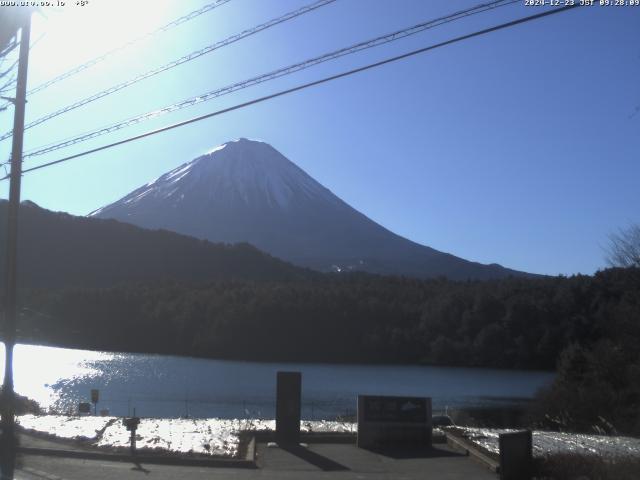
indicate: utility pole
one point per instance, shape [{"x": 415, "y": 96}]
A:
[{"x": 10, "y": 310}]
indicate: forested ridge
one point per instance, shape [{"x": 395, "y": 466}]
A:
[
  {"x": 190, "y": 297},
  {"x": 61, "y": 250},
  {"x": 509, "y": 323},
  {"x": 587, "y": 328}
]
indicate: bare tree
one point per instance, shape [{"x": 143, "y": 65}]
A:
[{"x": 624, "y": 247}]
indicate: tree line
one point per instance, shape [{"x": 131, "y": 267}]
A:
[
  {"x": 190, "y": 297},
  {"x": 508, "y": 323}
]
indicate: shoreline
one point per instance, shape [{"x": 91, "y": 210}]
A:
[{"x": 273, "y": 361}]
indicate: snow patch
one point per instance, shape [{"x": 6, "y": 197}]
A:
[
  {"x": 546, "y": 443},
  {"x": 96, "y": 212},
  {"x": 216, "y": 149},
  {"x": 138, "y": 197},
  {"x": 63, "y": 426},
  {"x": 209, "y": 436},
  {"x": 178, "y": 173}
]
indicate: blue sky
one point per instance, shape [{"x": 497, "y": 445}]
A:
[{"x": 519, "y": 147}]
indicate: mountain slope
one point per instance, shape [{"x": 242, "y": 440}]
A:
[
  {"x": 246, "y": 191},
  {"x": 58, "y": 250}
]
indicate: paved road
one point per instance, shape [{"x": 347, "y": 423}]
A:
[
  {"x": 319, "y": 461},
  {"x": 20, "y": 475}
]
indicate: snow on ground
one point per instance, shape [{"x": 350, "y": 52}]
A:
[
  {"x": 65, "y": 427},
  {"x": 215, "y": 436},
  {"x": 205, "y": 436},
  {"x": 211, "y": 436},
  {"x": 545, "y": 443}
]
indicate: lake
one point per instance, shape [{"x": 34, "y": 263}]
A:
[{"x": 168, "y": 386}]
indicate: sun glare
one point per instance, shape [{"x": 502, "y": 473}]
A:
[
  {"x": 34, "y": 381},
  {"x": 64, "y": 36}
]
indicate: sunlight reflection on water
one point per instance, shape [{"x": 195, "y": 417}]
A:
[
  {"x": 166, "y": 386},
  {"x": 37, "y": 368}
]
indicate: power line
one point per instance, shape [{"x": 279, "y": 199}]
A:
[
  {"x": 104, "y": 56},
  {"x": 4, "y": 54},
  {"x": 5, "y": 87},
  {"x": 8, "y": 70},
  {"x": 270, "y": 76},
  {"x": 186, "y": 58},
  {"x": 9, "y": 84},
  {"x": 306, "y": 85},
  {"x": 16, "y": 61},
  {"x": 9, "y": 47}
]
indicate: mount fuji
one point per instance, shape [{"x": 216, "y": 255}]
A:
[{"x": 247, "y": 191}]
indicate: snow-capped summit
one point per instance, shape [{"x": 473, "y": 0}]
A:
[
  {"x": 247, "y": 191},
  {"x": 240, "y": 171}
]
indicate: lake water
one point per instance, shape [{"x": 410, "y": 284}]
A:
[{"x": 167, "y": 386}]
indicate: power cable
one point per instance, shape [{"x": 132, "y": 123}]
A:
[
  {"x": 268, "y": 76},
  {"x": 9, "y": 48},
  {"x": 4, "y": 88},
  {"x": 184, "y": 59},
  {"x": 8, "y": 70},
  {"x": 104, "y": 56},
  {"x": 12, "y": 80},
  {"x": 307, "y": 85}
]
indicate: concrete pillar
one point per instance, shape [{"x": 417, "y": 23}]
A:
[{"x": 289, "y": 392}]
